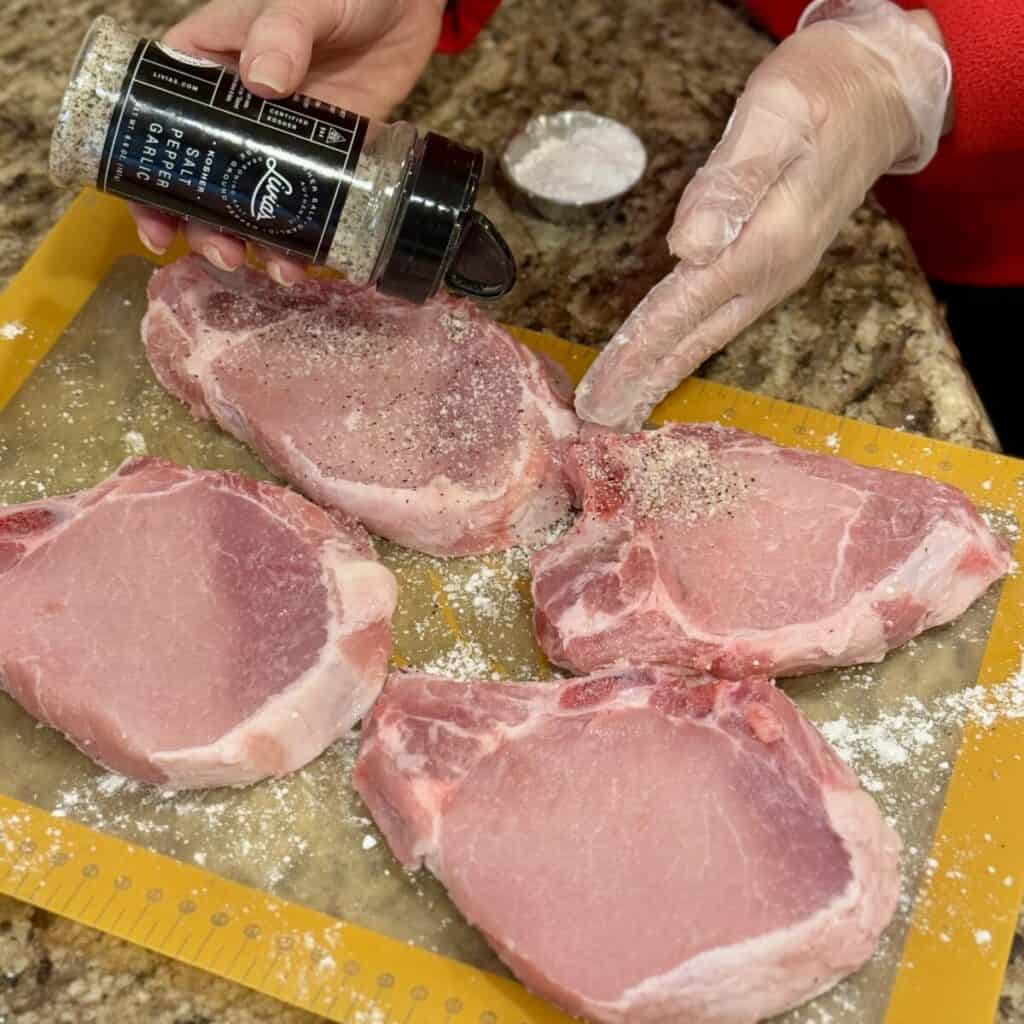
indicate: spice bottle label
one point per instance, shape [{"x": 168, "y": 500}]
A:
[{"x": 188, "y": 137}]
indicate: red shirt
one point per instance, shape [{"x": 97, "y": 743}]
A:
[
  {"x": 463, "y": 20},
  {"x": 964, "y": 212}
]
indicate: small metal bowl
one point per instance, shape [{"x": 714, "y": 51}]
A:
[{"x": 562, "y": 126}]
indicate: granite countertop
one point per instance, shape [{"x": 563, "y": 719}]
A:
[{"x": 865, "y": 338}]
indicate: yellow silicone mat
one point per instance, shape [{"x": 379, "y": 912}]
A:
[{"x": 289, "y": 942}]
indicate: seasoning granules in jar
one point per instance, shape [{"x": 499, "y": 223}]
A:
[{"x": 379, "y": 202}]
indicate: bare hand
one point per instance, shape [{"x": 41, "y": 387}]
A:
[{"x": 363, "y": 55}]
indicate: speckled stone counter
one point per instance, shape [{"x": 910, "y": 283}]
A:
[{"x": 864, "y": 338}]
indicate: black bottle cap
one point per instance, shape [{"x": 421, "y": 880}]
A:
[{"x": 440, "y": 237}]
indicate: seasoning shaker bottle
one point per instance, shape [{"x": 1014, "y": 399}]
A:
[{"x": 379, "y": 202}]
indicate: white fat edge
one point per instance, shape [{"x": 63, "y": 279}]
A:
[
  {"x": 737, "y": 960},
  {"x": 364, "y": 500}
]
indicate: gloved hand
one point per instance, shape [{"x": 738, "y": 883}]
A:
[
  {"x": 859, "y": 90},
  {"x": 363, "y": 55}
]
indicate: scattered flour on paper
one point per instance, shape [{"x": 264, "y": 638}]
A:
[
  {"x": 135, "y": 442},
  {"x": 1010, "y": 530},
  {"x": 478, "y": 625},
  {"x": 491, "y": 592},
  {"x": 11, "y": 330},
  {"x": 904, "y": 734},
  {"x": 901, "y": 754},
  {"x": 465, "y": 660},
  {"x": 185, "y": 824}
]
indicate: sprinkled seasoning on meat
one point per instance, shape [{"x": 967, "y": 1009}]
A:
[
  {"x": 430, "y": 424},
  {"x": 714, "y": 549}
]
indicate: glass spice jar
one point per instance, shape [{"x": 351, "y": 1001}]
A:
[{"x": 378, "y": 202}]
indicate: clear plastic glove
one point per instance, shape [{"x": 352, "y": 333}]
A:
[
  {"x": 363, "y": 55},
  {"x": 859, "y": 90}
]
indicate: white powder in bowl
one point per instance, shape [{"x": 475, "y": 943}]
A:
[{"x": 594, "y": 161}]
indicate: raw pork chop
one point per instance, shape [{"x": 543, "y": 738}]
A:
[
  {"x": 430, "y": 424},
  {"x": 714, "y": 549},
  {"x": 636, "y": 850},
  {"x": 191, "y": 628}
]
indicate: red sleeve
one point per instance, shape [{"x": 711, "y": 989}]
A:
[
  {"x": 779, "y": 17},
  {"x": 463, "y": 20},
  {"x": 985, "y": 40}
]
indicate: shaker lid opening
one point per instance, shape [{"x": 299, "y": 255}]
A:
[
  {"x": 483, "y": 266},
  {"x": 441, "y": 238}
]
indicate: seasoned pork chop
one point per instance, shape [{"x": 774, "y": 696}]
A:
[
  {"x": 430, "y": 424},
  {"x": 714, "y": 549}
]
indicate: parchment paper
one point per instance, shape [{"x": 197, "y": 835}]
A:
[{"x": 93, "y": 402}]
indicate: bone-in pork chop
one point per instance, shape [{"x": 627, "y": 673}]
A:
[
  {"x": 710, "y": 548},
  {"x": 636, "y": 850},
  {"x": 430, "y": 424},
  {"x": 191, "y": 628}
]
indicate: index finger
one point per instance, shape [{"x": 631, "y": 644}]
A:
[{"x": 687, "y": 316}]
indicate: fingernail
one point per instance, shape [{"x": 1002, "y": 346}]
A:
[
  {"x": 213, "y": 254},
  {"x": 274, "y": 270},
  {"x": 148, "y": 242},
  {"x": 271, "y": 70}
]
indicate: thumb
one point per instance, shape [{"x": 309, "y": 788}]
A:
[{"x": 276, "y": 55}]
